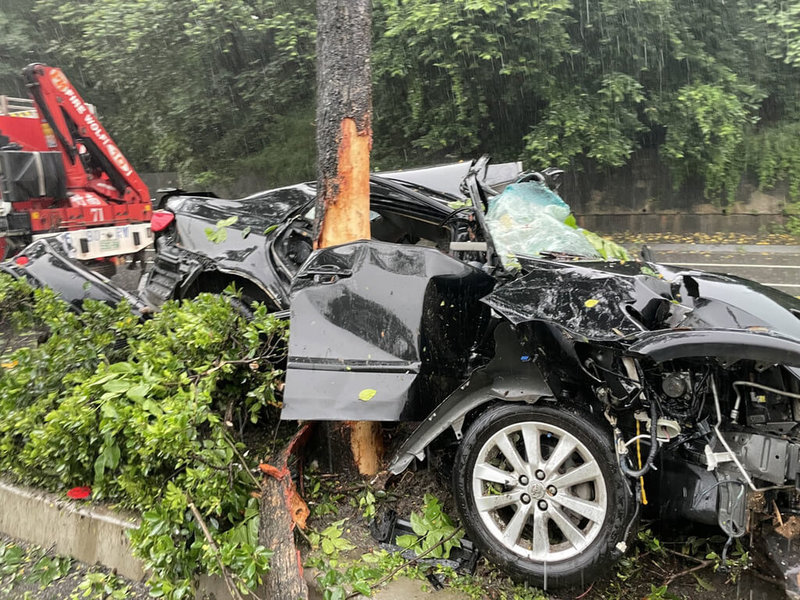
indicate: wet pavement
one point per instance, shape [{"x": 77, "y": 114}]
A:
[{"x": 776, "y": 266}]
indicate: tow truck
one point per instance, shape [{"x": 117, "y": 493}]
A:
[{"x": 62, "y": 174}]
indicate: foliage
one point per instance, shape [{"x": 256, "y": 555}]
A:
[
  {"x": 220, "y": 233},
  {"x": 600, "y": 125},
  {"x": 660, "y": 592},
  {"x": 368, "y": 503},
  {"x": 139, "y": 411},
  {"x": 782, "y": 17},
  {"x": 430, "y": 529},
  {"x": 705, "y": 136},
  {"x": 32, "y": 566},
  {"x": 775, "y": 154},
  {"x": 48, "y": 569},
  {"x": 331, "y": 539},
  {"x": 187, "y": 84},
  {"x": 100, "y": 586},
  {"x": 218, "y": 90},
  {"x": 12, "y": 558}
]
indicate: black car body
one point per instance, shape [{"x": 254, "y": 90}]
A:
[
  {"x": 562, "y": 386},
  {"x": 270, "y": 237},
  {"x": 46, "y": 263}
]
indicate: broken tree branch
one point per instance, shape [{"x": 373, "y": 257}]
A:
[
  {"x": 703, "y": 564},
  {"x": 226, "y": 575}
]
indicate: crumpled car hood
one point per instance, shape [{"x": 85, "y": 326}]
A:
[{"x": 608, "y": 301}]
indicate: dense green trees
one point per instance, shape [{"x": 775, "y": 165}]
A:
[{"x": 211, "y": 87}]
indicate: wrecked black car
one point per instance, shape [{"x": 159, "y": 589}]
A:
[
  {"x": 568, "y": 386},
  {"x": 565, "y": 385}
]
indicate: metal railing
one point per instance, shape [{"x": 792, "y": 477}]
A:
[{"x": 17, "y": 107}]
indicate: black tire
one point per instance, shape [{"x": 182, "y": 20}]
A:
[
  {"x": 561, "y": 562},
  {"x": 240, "y": 306}
]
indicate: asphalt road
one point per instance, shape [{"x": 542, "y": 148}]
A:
[
  {"x": 776, "y": 266},
  {"x": 128, "y": 279}
]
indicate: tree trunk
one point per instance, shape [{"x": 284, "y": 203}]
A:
[
  {"x": 344, "y": 140},
  {"x": 284, "y": 581},
  {"x": 280, "y": 509},
  {"x": 344, "y": 120}
]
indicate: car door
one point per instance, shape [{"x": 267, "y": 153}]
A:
[{"x": 380, "y": 331}]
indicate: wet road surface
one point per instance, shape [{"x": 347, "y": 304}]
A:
[{"x": 776, "y": 266}]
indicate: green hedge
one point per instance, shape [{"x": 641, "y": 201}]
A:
[{"x": 145, "y": 413}]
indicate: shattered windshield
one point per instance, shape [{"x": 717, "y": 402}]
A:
[{"x": 529, "y": 218}]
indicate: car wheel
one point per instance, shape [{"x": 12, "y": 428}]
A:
[{"x": 540, "y": 493}]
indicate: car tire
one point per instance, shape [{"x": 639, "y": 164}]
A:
[
  {"x": 240, "y": 306},
  {"x": 577, "y": 510}
]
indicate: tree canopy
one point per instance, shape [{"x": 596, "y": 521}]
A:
[{"x": 222, "y": 88}]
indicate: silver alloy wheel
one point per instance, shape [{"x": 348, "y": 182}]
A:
[{"x": 539, "y": 491}]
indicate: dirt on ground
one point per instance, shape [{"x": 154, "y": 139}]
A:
[
  {"x": 667, "y": 554},
  {"x": 41, "y": 575}
]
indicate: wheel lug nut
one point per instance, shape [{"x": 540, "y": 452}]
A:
[
  {"x": 539, "y": 474},
  {"x": 542, "y": 505},
  {"x": 523, "y": 480},
  {"x": 551, "y": 489},
  {"x": 525, "y": 498}
]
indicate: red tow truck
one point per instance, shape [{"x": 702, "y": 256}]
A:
[{"x": 61, "y": 173}]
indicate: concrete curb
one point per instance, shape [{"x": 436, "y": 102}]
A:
[
  {"x": 97, "y": 535},
  {"x": 93, "y": 535}
]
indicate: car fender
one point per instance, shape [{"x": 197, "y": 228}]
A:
[
  {"x": 726, "y": 345},
  {"x": 509, "y": 377}
]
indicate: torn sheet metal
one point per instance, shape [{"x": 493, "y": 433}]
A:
[
  {"x": 45, "y": 263},
  {"x": 606, "y": 301},
  {"x": 399, "y": 320},
  {"x": 600, "y": 301}
]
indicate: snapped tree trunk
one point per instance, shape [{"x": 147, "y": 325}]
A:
[
  {"x": 344, "y": 139},
  {"x": 280, "y": 510}
]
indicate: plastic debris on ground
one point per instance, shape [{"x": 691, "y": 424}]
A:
[
  {"x": 528, "y": 218},
  {"x": 386, "y": 527}
]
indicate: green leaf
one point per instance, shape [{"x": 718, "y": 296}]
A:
[
  {"x": 137, "y": 393},
  {"x": 327, "y": 546},
  {"x": 703, "y": 583},
  {"x": 227, "y": 222},
  {"x": 116, "y": 386},
  {"x": 418, "y": 525},
  {"x": 367, "y": 394},
  {"x": 362, "y": 587},
  {"x": 100, "y": 467},
  {"x": 406, "y": 541},
  {"x": 645, "y": 270}
]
